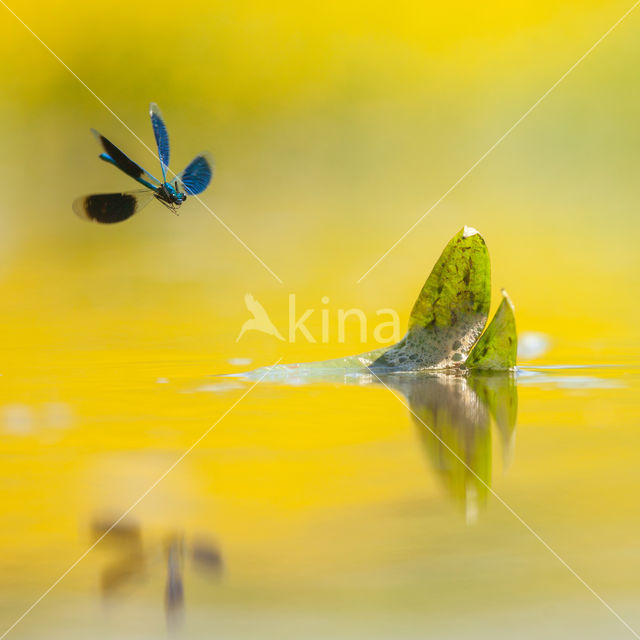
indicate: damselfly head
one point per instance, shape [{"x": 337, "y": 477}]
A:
[{"x": 176, "y": 196}]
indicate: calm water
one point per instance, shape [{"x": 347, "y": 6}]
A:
[{"x": 320, "y": 507}]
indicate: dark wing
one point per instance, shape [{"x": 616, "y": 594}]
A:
[
  {"x": 116, "y": 157},
  {"x": 197, "y": 175},
  {"x": 111, "y": 207},
  {"x": 162, "y": 137}
]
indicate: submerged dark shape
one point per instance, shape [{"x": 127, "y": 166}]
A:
[
  {"x": 128, "y": 555},
  {"x": 174, "y": 588},
  {"x": 108, "y": 208},
  {"x": 129, "y": 562}
]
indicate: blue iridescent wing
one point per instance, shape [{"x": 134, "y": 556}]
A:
[
  {"x": 196, "y": 176},
  {"x": 114, "y": 156},
  {"x": 162, "y": 137},
  {"x": 111, "y": 207}
]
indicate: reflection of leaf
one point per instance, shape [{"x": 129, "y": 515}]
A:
[
  {"x": 454, "y": 428},
  {"x": 451, "y": 310},
  {"x": 498, "y": 346},
  {"x": 453, "y": 413},
  {"x": 497, "y": 390}
]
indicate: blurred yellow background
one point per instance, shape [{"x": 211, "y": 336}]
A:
[{"x": 334, "y": 128}]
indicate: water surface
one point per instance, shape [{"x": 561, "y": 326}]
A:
[{"x": 330, "y": 507}]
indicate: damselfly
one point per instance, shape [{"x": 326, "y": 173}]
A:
[{"x": 115, "y": 207}]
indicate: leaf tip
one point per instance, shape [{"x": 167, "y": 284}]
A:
[
  {"x": 506, "y": 297},
  {"x": 467, "y": 232}
]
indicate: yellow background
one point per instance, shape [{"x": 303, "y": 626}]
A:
[{"x": 334, "y": 126}]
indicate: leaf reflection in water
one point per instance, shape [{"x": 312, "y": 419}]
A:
[{"x": 453, "y": 414}]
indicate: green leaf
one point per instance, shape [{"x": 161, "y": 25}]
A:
[
  {"x": 497, "y": 349},
  {"x": 450, "y": 312}
]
